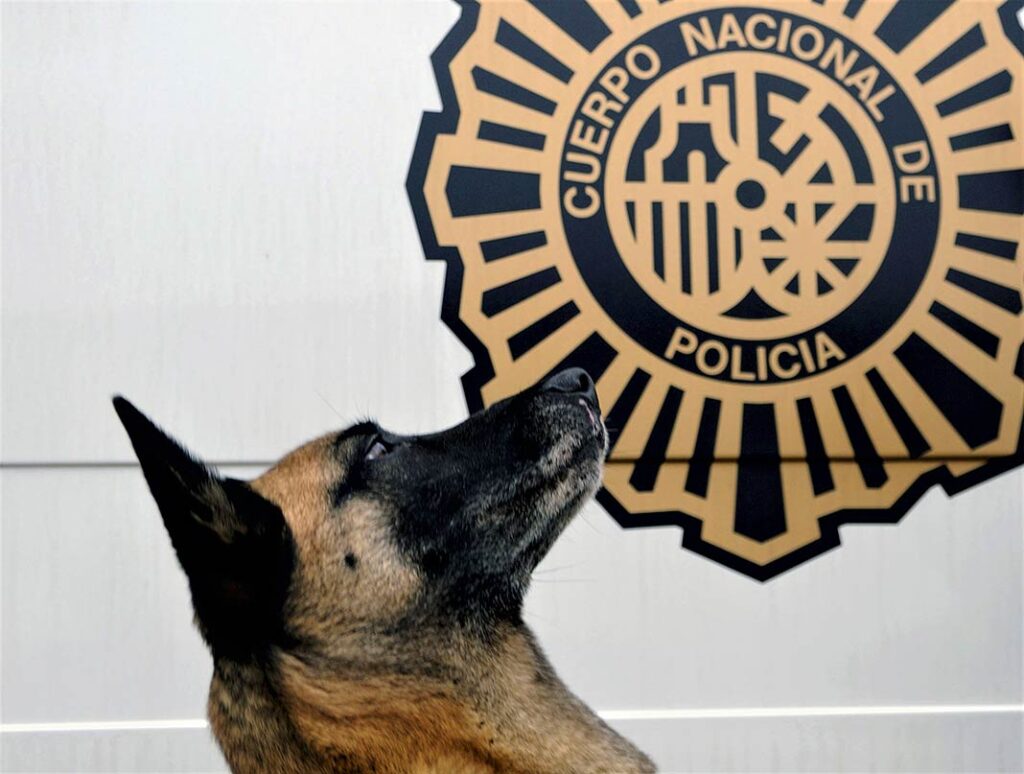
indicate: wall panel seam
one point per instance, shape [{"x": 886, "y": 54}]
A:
[{"x": 725, "y": 713}]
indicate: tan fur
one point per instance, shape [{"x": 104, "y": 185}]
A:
[{"x": 328, "y": 598}]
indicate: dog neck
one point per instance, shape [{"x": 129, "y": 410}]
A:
[{"x": 474, "y": 705}]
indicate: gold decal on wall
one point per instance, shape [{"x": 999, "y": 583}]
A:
[{"x": 784, "y": 238}]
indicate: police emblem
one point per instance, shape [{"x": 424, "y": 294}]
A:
[{"x": 784, "y": 238}]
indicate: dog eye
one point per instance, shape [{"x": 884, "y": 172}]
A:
[{"x": 377, "y": 449}]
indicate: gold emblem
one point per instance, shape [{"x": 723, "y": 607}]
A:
[{"x": 784, "y": 238}]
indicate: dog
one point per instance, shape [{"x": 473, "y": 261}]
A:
[{"x": 362, "y": 599}]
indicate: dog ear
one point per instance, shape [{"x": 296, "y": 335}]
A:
[{"x": 233, "y": 544}]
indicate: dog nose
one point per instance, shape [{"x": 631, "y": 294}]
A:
[{"x": 571, "y": 381}]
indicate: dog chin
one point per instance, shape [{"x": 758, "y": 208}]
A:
[
  {"x": 576, "y": 437},
  {"x": 574, "y": 482}
]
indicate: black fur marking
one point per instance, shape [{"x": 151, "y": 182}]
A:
[
  {"x": 367, "y": 427},
  {"x": 368, "y": 430},
  {"x": 233, "y": 544},
  {"x": 351, "y": 561},
  {"x": 341, "y": 490},
  {"x": 470, "y": 505}
]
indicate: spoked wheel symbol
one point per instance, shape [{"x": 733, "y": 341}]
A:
[{"x": 749, "y": 199}]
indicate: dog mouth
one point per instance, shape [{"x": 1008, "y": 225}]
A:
[
  {"x": 581, "y": 445},
  {"x": 576, "y": 432},
  {"x": 595, "y": 428},
  {"x": 594, "y": 422}
]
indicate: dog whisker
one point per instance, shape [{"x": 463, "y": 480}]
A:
[
  {"x": 546, "y": 570},
  {"x": 329, "y": 404}
]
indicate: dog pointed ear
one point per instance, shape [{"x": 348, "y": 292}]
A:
[{"x": 233, "y": 544}]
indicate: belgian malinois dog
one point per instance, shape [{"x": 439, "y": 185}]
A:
[{"x": 362, "y": 598}]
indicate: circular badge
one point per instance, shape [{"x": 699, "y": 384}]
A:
[{"x": 783, "y": 237}]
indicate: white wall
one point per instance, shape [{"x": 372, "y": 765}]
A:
[{"x": 204, "y": 209}]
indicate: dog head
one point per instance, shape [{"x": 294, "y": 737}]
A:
[{"x": 365, "y": 530}]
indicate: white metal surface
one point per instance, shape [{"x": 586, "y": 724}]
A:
[{"x": 204, "y": 208}]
